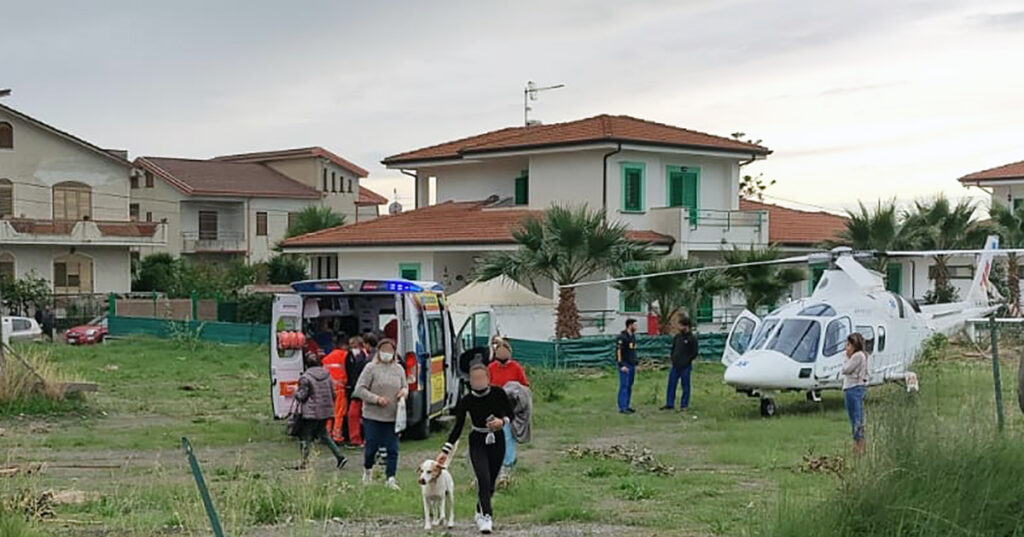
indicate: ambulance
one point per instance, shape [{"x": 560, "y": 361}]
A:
[{"x": 414, "y": 311}]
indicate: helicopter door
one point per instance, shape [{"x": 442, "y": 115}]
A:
[
  {"x": 740, "y": 336},
  {"x": 829, "y": 366}
]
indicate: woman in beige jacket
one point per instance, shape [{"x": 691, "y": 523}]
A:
[{"x": 855, "y": 385}]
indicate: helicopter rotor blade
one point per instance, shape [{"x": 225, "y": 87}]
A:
[
  {"x": 780, "y": 261},
  {"x": 930, "y": 253}
]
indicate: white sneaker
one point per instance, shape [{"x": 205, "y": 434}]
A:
[
  {"x": 392, "y": 484},
  {"x": 485, "y": 524},
  {"x": 479, "y": 519},
  {"x": 367, "y": 476}
]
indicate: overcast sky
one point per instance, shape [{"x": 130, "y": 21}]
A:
[{"x": 862, "y": 99}]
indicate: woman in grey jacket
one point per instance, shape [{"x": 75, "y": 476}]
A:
[
  {"x": 380, "y": 386},
  {"x": 315, "y": 396},
  {"x": 855, "y": 385}
]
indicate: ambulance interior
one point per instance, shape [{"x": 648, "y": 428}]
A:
[{"x": 348, "y": 315}]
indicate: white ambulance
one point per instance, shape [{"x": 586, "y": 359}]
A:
[{"x": 418, "y": 314}]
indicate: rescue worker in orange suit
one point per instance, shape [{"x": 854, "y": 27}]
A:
[
  {"x": 334, "y": 363},
  {"x": 355, "y": 362}
]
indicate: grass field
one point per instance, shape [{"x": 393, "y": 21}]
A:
[{"x": 121, "y": 449}]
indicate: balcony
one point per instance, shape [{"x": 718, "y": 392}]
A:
[
  {"x": 710, "y": 229},
  {"x": 82, "y": 232},
  {"x": 221, "y": 242}
]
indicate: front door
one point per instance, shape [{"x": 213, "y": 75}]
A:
[
  {"x": 740, "y": 336},
  {"x": 285, "y": 354},
  {"x": 829, "y": 365}
]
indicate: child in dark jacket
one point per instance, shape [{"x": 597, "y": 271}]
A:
[{"x": 315, "y": 395}]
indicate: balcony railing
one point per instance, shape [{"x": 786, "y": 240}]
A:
[
  {"x": 82, "y": 232},
  {"x": 711, "y": 229},
  {"x": 193, "y": 242}
]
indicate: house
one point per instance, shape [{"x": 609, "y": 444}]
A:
[
  {"x": 241, "y": 206},
  {"x": 64, "y": 209},
  {"x": 674, "y": 188}
]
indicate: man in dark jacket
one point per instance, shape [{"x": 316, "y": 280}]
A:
[
  {"x": 684, "y": 352},
  {"x": 315, "y": 396},
  {"x": 625, "y": 358}
]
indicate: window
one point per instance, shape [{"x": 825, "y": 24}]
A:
[
  {"x": 334, "y": 182},
  {"x": 956, "y": 272},
  {"x": 6, "y": 265},
  {"x": 739, "y": 339},
  {"x": 292, "y": 218},
  {"x": 522, "y": 188},
  {"x": 835, "y": 336},
  {"x": 325, "y": 180},
  {"x": 6, "y": 135},
  {"x": 133, "y": 212},
  {"x": 71, "y": 201},
  {"x": 409, "y": 271},
  {"x": 261, "y": 224},
  {"x": 149, "y": 179},
  {"x": 1017, "y": 203},
  {"x": 149, "y": 216},
  {"x": 349, "y": 186},
  {"x": 763, "y": 333},
  {"x": 435, "y": 332},
  {"x": 6, "y": 198},
  {"x": 684, "y": 189},
  {"x": 325, "y": 267},
  {"x": 894, "y": 277},
  {"x": 72, "y": 274},
  {"x": 632, "y": 187},
  {"x": 20, "y": 325},
  {"x": 798, "y": 339},
  {"x": 207, "y": 225},
  {"x": 881, "y": 338},
  {"x": 816, "y": 274},
  {"x": 630, "y": 303},
  {"x": 706, "y": 309},
  {"x": 869, "y": 337},
  {"x": 133, "y": 181},
  {"x": 818, "y": 310}
]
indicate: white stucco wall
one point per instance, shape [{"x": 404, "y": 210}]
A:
[
  {"x": 261, "y": 247},
  {"x": 477, "y": 181},
  {"x": 162, "y": 200},
  {"x": 41, "y": 159},
  {"x": 111, "y": 270}
]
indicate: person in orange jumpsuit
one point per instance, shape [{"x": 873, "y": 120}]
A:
[{"x": 334, "y": 363}]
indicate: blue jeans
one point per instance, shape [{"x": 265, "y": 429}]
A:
[
  {"x": 855, "y": 408},
  {"x": 510, "y": 447},
  {"x": 676, "y": 376},
  {"x": 626, "y": 385},
  {"x": 378, "y": 434}
]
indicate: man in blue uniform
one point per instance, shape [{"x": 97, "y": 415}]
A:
[{"x": 625, "y": 357}]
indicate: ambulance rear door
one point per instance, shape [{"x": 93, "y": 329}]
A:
[{"x": 285, "y": 363}]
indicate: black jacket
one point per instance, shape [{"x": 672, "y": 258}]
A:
[{"x": 684, "y": 349}]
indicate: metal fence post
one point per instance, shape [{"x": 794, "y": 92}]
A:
[
  {"x": 1000, "y": 419},
  {"x": 195, "y": 305},
  {"x": 204, "y": 492}
]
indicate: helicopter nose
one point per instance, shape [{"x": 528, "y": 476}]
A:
[{"x": 762, "y": 369}]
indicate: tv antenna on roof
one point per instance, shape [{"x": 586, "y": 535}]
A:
[{"x": 530, "y": 94}]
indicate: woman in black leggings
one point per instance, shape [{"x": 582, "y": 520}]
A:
[{"x": 489, "y": 410}]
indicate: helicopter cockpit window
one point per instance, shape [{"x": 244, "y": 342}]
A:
[
  {"x": 835, "y": 336},
  {"x": 869, "y": 338},
  {"x": 818, "y": 310},
  {"x": 762, "y": 335},
  {"x": 740, "y": 338},
  {"x": 798, "y": 339}
]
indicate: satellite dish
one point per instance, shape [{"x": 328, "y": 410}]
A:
[{"x": 395, "y": 208}]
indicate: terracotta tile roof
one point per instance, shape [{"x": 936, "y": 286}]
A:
[
  {"x": 369, "y": 197},
  {"x": 602, "y": 128},
  {"x": 1013, "y": 170},
  {"x": 790, "y": 226},
  {"x": 301, "y": 152},
  {"x": 218, "y": 178},
  {"x": 64, "y": 227},
  {"x": 463, "y": 222}
]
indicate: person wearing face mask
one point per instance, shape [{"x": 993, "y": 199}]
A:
[
  {"x": 355, "y": 361},
  {"x": 380, "y": 386},
  {"x": 489, "y": 411},
  {"x": 504, "y": 370}
]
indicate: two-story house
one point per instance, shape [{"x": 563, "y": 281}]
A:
[
  {"x": 64, "y": 209},
  {"x": 241, "y": 206},
  {"x": 675, "y": 188}
]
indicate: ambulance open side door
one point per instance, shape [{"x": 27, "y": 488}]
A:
[{"x": 285, "y": 356}]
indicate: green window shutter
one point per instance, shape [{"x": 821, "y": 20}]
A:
[
  {"x": 523, "y": 189},
  {"x": 706, "y": 309},
  {"x": 675, "y": 187},
  {"x": 630, "y": 304},
  {"x": 816, "y": 274},
  {"x": 691, "y": 191},
  {"x": 632, "y": 187},
  {"x": 409, "y": 271},
  {"x": 894, "y": 277}
]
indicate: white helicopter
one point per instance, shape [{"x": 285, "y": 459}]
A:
[{"x": 800, "y": 346}]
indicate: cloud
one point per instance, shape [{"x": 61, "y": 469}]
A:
[{"x": 1010, "y": 20}]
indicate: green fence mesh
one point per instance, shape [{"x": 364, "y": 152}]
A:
[
  {"x": 207, "y": 330},
  {"x": 600, "y": 350}
]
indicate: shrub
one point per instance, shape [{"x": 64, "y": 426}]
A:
[
  {"x": 285, "y": 269},
  {"x": 255, "y": 308},
  {"x": 934, "y": 348},
  {"x": 549, "y": 384}
]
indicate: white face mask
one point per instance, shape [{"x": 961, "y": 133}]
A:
[{"x": 386, "y": 356}]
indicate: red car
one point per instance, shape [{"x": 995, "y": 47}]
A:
[{"x": 86, "y": 334}]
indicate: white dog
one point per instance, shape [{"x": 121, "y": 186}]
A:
[{"x": 437, "y": 487}]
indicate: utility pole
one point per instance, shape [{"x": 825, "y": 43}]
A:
[{"x": 3, "y": 93}]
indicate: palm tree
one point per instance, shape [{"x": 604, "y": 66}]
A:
[
  {"x": 1009, "y": 224},
  {"x": 881, "y": 228},
  {"x": 565, "y": 245},
  {"x": 669, "y": 294},
  {"x": 762, "y": 285},
  {"x": 941, "y": 225},
  {"x": 314, "y": 218}
]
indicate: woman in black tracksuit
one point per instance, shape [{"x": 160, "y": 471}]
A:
[{"x": 489, "y": 410}]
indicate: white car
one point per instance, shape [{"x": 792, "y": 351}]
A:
[{"x": 21, "y": 329}]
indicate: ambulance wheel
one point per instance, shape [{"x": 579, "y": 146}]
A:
[
  {"x": 767, "y": 407},
  {"x": 419, "y": 431}
]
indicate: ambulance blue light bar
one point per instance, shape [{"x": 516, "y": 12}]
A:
[{"x": 394, "y": 286}]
